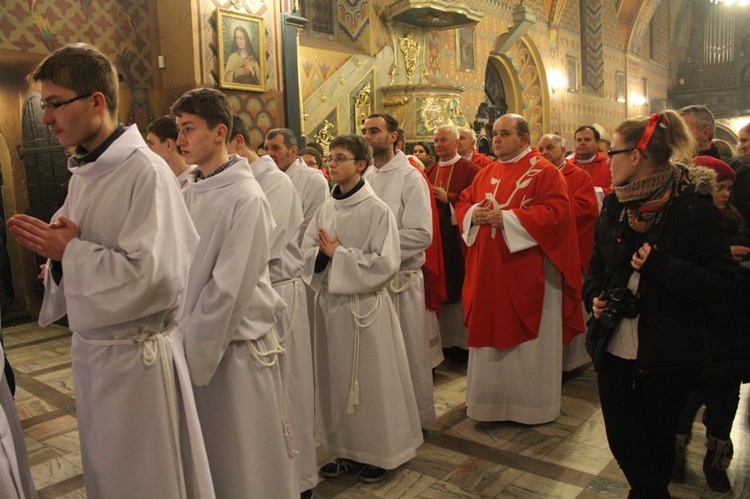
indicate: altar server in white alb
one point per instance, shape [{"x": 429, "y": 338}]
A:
[
  {"x": 405, "y": 192},
  {"x": 119, "y": 252},
  {"x": 366, "y": 413},
  {"x": 230, "y": 310},
  {"x": 292, "y": 323},
  {"x": 15, "y": 474}
]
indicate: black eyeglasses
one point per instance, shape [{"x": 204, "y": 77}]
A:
[
  {"x": 612, "y": 153},
  {"x": 331, "y": 160},
  {"x": 59, "y": 104}
]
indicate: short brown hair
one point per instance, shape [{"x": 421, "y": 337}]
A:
[
  {"x": 208, "y": 104},
  {"x": 164, "y": 127},
  {"x": 83, "y": 69}
]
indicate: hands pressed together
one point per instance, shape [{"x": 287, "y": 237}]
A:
[
  {"x": 46, "y": 239},
  {"x": 327, "y": 243},
  {"x": 483, "y": 214}
]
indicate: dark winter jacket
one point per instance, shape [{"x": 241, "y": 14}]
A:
[{"x": 688, "y": 272}]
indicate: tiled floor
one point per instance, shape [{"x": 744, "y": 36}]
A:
[{"x": 460, "y": 458}]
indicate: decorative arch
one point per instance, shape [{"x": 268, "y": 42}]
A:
[{"x": 634, "y": 17}]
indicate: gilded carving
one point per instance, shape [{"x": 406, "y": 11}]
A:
[
  {"x": 410, "y": 49},
  {"x": 433, "y": 113},
  {"x": 436, "y": 111},
  {"x": 396, "y": 101},
  {"x": 324, "y": 135},
  {"x": 363, "y": 104},
  {"x": 324, "y": 98}
]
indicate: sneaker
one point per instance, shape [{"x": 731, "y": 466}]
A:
[
  {"x": 371, "y": 474},
  {"x": 338, "y": 467}
]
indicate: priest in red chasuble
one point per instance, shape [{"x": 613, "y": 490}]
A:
[
  {"x": 449, "y": 176},
  {"x": 522, "y": 292}
]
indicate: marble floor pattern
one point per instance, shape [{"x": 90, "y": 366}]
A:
[{"x": 460, "y": 458}]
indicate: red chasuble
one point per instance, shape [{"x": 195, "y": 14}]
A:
[
  {"x": 434, "y": 278},
  {"x": 585, "y": 208},
  {"x": 504, "y": 292},
  {"x": 599, "y": 171},
  {"x": 480, "y": 159}
]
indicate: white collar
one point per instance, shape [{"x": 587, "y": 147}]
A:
[
  {"x": 518, "y": 158},
  {"x": 450, "y": 162}
]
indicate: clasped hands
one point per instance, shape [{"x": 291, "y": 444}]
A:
[
  {"x": 327, "y": 243},
  {"x": 483, "y": 214},
  {"x": 46, "y": 239}
]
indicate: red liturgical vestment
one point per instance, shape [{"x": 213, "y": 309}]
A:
[{"x": 503, "y": 290}]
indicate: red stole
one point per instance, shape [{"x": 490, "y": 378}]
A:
[{"x": 504, "y": 292}]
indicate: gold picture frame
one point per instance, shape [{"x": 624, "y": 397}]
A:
[{"x": 241, "y": 68}]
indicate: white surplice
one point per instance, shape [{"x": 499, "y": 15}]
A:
[
  {"x": 365, "y": 405},
  {"x": 124, "y": 280},
  {"x": 312, "y": 188},
  {"x": 15, "y": 474},
  {"x": 227, "y": 323},
  {"x": 406, "y": 193},
  {"x": 313, "y": 191},
  {"x": 292, "y": 323},
  {"x": 523, "y": 383}
]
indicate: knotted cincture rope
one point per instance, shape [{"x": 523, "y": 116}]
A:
[
  {"x": 293, "y": 313},
  {"x": 269, "y": 359},
  {"x": 360, "y": 321},
  {"x": 397, "y": 290},
  {"x": 154, "y": 348}
]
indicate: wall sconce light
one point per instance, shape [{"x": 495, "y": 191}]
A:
[
  {"x": 557, "y": 82},
  {"x": 638, "y": 100}
]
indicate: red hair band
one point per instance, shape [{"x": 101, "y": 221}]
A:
[{"x": 653, "y": 122}]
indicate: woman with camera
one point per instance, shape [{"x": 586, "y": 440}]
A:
[{"x": 660, "y": 258}]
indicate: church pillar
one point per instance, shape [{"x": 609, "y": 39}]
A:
[{"x": 292, "y": 23}]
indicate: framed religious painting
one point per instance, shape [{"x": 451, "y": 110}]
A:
[
  {"x": 465, "y": 49},
  {"x": 242, "y": 49}
]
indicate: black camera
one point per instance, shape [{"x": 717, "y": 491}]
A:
[{"x": 621, "y": 303}]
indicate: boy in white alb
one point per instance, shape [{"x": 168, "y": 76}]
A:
[
  {"x": 230, "y": 310},
  {"x": 366, "y": 412}
]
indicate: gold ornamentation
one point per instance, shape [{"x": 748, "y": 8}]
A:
[
  {"x": 359, "y": 63},
  {"x": 324, "y": 98},
  {"x": 433, "y": 113},
  {"x": 324, "y": 135},
  {"x": 363, "y": 104},
  {"x": 410, "y": 48},
  {"x": 305, "y": 116},
  {"x": 396, "y": 101},
  {"x": 342, "y": 80}
]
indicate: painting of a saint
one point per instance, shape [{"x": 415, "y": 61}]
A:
[{"x": 240, "y": 51}]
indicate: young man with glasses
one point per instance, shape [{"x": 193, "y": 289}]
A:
[
  {"x": 366, "y": 414},
  {"x": 119, "y": 252}
]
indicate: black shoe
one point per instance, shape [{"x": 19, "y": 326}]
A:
[
  {"x": 306, "y": 494},
  {"x": 338, "y": 467},
  {"x": 371, "y": 474},
  {"x": 460, "y": 356}
]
